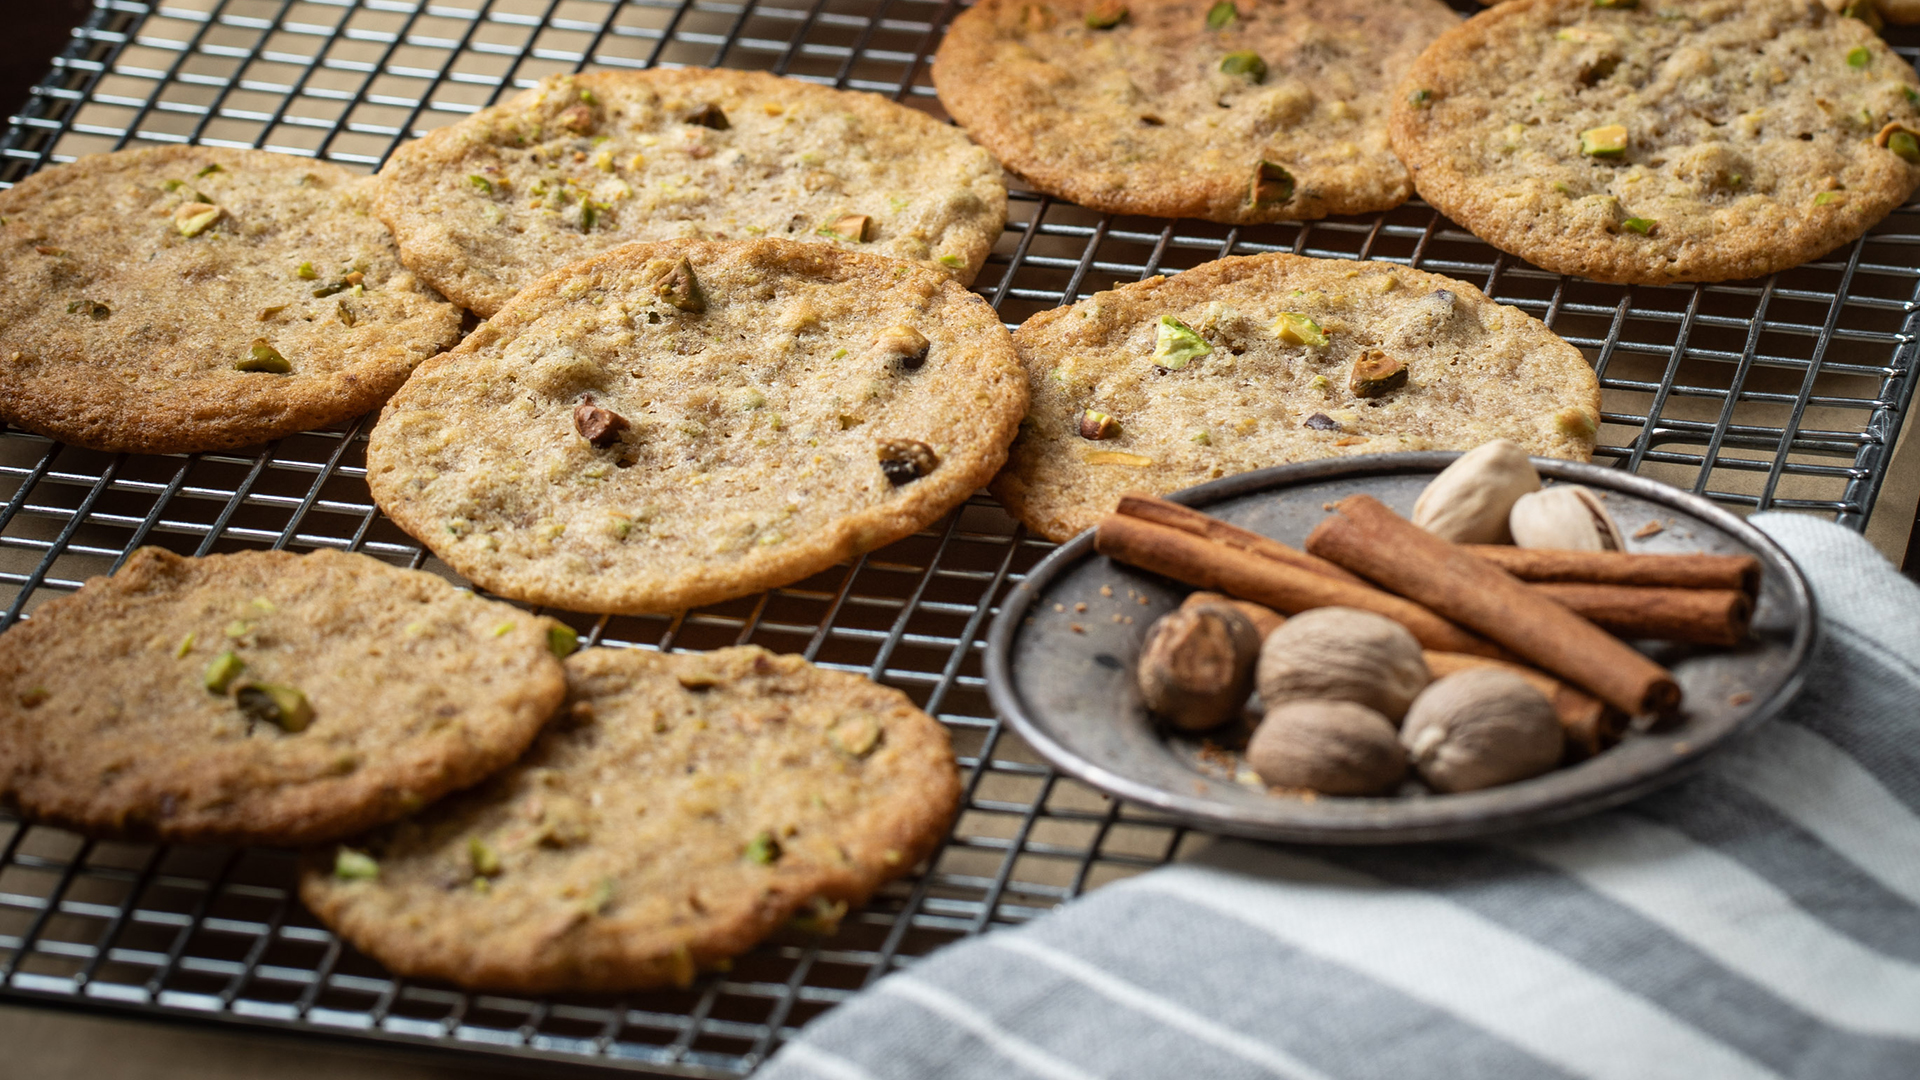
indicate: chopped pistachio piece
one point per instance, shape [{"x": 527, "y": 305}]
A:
[
  {"x": 902, "y": 344},
  {"x": 1828, "y": 198},
  {"x": 1271, "y": 185},
  {"x": 1118, "y": 457},
  {"x": 485, "y": 860},
  {"x": 1376, "y": 373},
  {"x": 503, "y": 629},
  {"x": 856, "y": 735},
  {"x": 710, "y": 116},
  {"x": 194, "y": 218},
  {"x": 1420, "y": 99},
  {"x": 679, "y": 287},
  {"x": 1859, "y": 57},
  {"x": 1244, "y": 62},
  {"x": 282, "y": 706},
  {"x": 264, "y": 357},
  {"x": 1643, "y": 226},
  {"x": 953, "y": 261},
  {"x": 186, "y": 646},
  {"x": 354, "y": 865},
  {"x": 1220, "y": 14},
  {"x": 208, "y": 171},
  {"x": 345, "y": 313},
  {"x": 1623, "y": 5},
  {"x": 238, "y": 628},
  {"x": 1096, "y": 425},
  {"x": 853, "y": 228},
  {"x": 1106, "y": 15},
  {"x": 1202, "y": 438},
  {"x": 762, "y": 849},
  {"x": 1609, "y": 140},
  {"x": 1577, "y": 421},
  {"x": 903, "y": 461},
  {"x": 1175, "y": 344},
  {"x": 562, "y": 640},
  {"x": 1903, "y": 144},
  {"x": 820, "y": 916},
  {"x": 269, "y": 312},
  {"x": 305, "y": 272},
  {"x": 485, "y": 185},
  {"x": 1297, "y": 329},
  {"x": 597, "y": 425},
  {"x": 93, "y": 309},
  {"x": 222, "y": 671},
  {"x": 1864, "y": 10}
]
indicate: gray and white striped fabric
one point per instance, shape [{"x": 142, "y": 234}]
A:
[{"x": 1759, "y": 920}]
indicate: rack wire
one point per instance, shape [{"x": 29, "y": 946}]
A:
[{"x": 1779, "y": 394}]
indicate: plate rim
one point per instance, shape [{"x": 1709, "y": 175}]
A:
[{"x": 1214, "y": 816}]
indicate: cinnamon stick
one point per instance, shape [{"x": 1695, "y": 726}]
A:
[
  {"x": 1590, "y": 724},
  {"x": 1209, "y": 564},
  {"x": 1702, "y": 616},
  {"x": 1187, "y": 519},
  {"x": 1740, "y": 572},
  {"x": 1376, "y": 543}
]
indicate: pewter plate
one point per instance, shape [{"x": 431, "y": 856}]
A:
[{"x": 1061, "y": 655}]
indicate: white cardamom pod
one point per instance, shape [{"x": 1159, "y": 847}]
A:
[
  {"x": 1468, "y": 503},
  {"x": 1565, "y": 516}
]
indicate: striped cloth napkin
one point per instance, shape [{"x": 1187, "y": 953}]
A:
[{"x": 1759, "y": 920}]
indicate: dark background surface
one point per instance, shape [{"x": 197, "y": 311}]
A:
[{"x": 36, "y": 31}]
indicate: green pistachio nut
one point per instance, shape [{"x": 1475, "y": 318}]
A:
[
  {"x": 1106, "y": 15},
  {"x": 1175, "y": 344},
  {"x": 354, "y": 865},
  {"x": 562, "y": 640},
  {"x": 282, "y": 706},
  {"x": 264, "y": 357},
  {"x": 1609, "y": 140},
  {"x": 221, "y": 671},
  {"x": 1245, "y": 63},
  {"x": 1296, "y": 329},
  {"x": 1271, "y": 185},
  {"x": 762, "y": 849},
  {"x": 1221, "y": 14}
]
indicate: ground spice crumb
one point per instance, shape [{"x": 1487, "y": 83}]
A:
[
  {"x": 1144, "y": 601},
  {"x": 1740, "y": 698},
  {"x": 1106, "y": 590},
  {"x": 1076, "y": 628},
  {"x": 1651, "y": 528},
  {"x": 1059, "y": 607},
  {"x": 1082, "y": 606}
]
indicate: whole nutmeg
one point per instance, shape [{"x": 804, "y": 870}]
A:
[
  {"x": 1333, "y": 747},
  {"x": 1344, "y": 654},
  {"x": 1565, "y": 516},
  {"x": 1469, "y": 501},
  {"x": 1479, "y": 728},
  {"x": 1196, "y": 667}
]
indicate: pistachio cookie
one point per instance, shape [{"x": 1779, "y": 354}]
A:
[
  {"x": 1692, "y": 140},
  {"x": 195, "y": 298},
  {"x": 264, "y": 697},
  {"x": 584, "y": 163},
  {"x": 683, "y": 808},
  {"x": 674, "y": 424},
  {"x": 1228, "y": 111},
  {"x": 1262, "y": 360}
]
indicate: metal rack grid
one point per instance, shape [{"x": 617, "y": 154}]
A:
[{"x": 1782, "y": 394}]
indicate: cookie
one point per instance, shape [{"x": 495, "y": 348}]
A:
[
  {"x": 685, "y": 807},
  {"x": 1268, "y": 359},
  {"x": 584, "y": 163},
  {"x": 264, "y": 697},
  {"x": 195, "y": 298},
  {"x": 1697, "y": 140},
  {"x": 1190, "y": 108},
  {"x": 673, "y": 424}
]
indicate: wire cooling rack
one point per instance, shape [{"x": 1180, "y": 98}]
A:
[{"x": 1783, "y": 394}]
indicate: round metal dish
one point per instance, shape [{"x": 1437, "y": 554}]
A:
[{"x": 1061, "y": 655}]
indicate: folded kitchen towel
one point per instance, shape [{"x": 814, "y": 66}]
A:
[{"x": 1761, "y": 919}]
